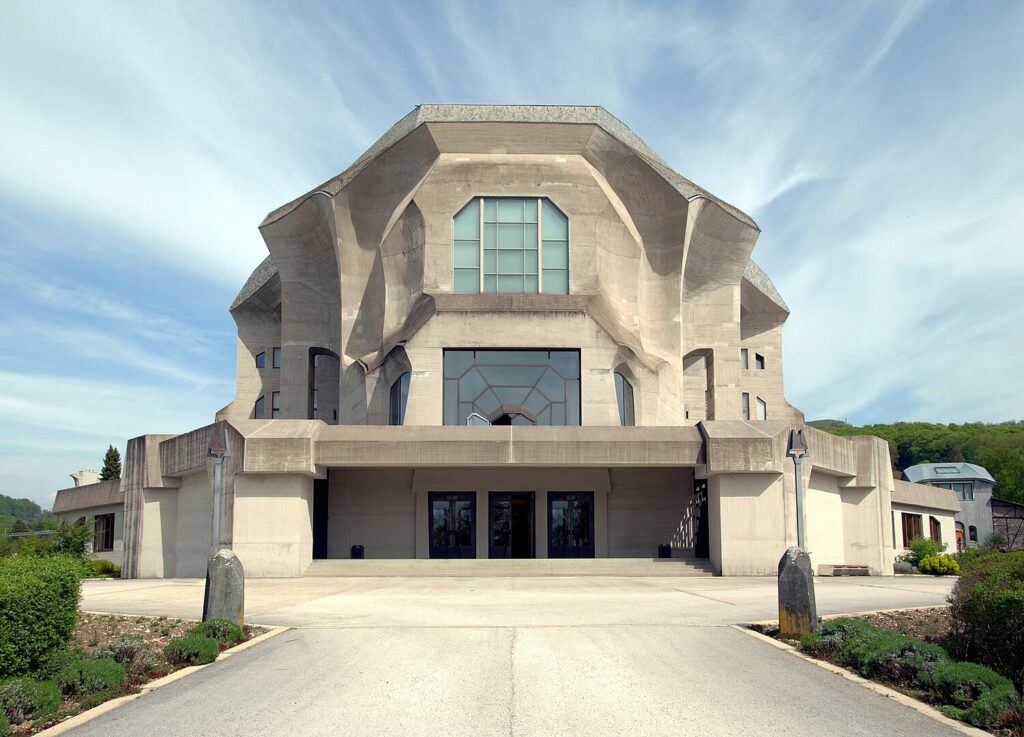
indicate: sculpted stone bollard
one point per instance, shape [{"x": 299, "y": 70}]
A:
[
  {"x": 798, "y": 613},
  {"x": 225, "y": 588}
]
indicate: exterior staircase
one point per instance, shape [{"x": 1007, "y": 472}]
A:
[{"x": 626, "y": 567}]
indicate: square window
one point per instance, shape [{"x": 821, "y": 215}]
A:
[
  {"x": 259, "y": 408},
  {"x": 744, "y": 358},
  {"x": 467, "y": 281},
  {"x": 275, "y": 404},
  {"x": 556, "y": 281},
  {"x": 759, "y": 362},
  {"x": 277, "y": 358}
]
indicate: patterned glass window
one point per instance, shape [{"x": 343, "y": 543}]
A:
[
  {"x": 511, "y": 387},
  {"x": 509, "y": 245}
]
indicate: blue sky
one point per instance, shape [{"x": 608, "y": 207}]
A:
[{"x": 878, "y": 145}]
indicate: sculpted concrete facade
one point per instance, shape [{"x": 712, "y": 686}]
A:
[{"x": 508, "y": 331}]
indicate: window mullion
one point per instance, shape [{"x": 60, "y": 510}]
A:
[
  {"x": 480, "y": 245},
  {"x": 540, "y": 246}
]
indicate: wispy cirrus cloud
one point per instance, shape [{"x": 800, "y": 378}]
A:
[{"x": 877, "y": 144}]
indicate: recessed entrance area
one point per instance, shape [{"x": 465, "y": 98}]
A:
[{"x": 511, "y": 525}]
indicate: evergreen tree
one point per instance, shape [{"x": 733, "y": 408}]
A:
[{"x": 111, "y": 464}]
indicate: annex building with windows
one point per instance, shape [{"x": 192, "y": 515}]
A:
[{"x": 508, "y": 332}]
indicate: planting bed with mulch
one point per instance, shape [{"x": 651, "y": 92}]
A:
[
  {"x": 95, "y": 630},
  {"x": 931, "y": 624}
]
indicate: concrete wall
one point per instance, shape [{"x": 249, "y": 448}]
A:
[
  {"x": 374, "y": 508},
  {"x": 823, "y": 512},
  {"x": 273, "y": 531},
  {"x": 648, "y": 507},
  {"x": 176, "y": 529},
  {"x": 748, "y": 523},
  {"x": 977, "y": 513}
]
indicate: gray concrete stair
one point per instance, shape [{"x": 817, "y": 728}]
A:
[{"x": 630, "y": 567}]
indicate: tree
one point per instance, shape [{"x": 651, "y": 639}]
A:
[{"x": 111, "y": 464}]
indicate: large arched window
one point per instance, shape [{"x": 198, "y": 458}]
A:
[
  {"x": 399, "y": 398},
  {"x": 511, "y": 245},
  {"x": 624, "y": 395}
]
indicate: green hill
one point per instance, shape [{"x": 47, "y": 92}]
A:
[
  {"x": 999, "y": 447},
  {"x": 26, "y": 511}
]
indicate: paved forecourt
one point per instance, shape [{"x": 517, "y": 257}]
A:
[{"x": 539, "y": 656}]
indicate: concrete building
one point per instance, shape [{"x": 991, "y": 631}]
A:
[
  {"x": 101, "y": 504},
  {"x": 972, "y": 486},
  {"x": 507, "y": 332}
]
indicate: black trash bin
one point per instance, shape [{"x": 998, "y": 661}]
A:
[
  {"x": 664, "y": 551},
  {"x": 357, "y": 552}
]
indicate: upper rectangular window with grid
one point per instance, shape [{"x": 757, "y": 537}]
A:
[{"x": 511, "y": 245}]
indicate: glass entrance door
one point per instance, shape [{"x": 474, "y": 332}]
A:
[
  {"x": 571, "y": 525},
  {"x": 452, "y": 525},
  {"x": 511, "y": 525}
]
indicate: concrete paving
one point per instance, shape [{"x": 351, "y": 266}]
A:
[{"x": 543, "y": 656}]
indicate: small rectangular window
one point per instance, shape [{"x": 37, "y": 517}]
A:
[
  {"x": 259, "y": 408},
  {"x": 759, "y": 362},
  {"x": 275, "y": 405},
  {"x": 762, "y": 409},
  {"x": 261, "y": 359},
  {"x": 744, "y": 358},
  {"x": 277, "y": 358},
  {"x": 103, "y": 533},
  {"x": 745, "y": 399}
]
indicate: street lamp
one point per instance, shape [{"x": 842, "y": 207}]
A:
[
  {"x": 798, "y": 449},
  {"x": 218, "y": 449}
]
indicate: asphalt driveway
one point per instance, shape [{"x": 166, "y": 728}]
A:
[{"x": 539, "y": 656}]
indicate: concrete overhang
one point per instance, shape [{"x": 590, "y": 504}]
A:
[
  {"x": 451, "y": 446},
  {"x": 739, "y": 446},
  {"x": 102, "y": 494}
]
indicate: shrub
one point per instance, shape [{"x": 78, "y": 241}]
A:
[
  {"x": 222, "y": 630},
  {"x": 961, "y": 684},
  {"x": 91, "y": 674},
  {"x": 987, "y": 614},
  {"x": 5, "y": 726},
  {"x": 939, "y": 565},
  {"x": 24, "y": 698},
  {"x": 38, "y": 606},
  {"x": 923, "y": 547},
  {"x": 195, "y": 648},
  {"x": 896, "y": 658},
  {"x": 56, "y": 661},
  {"x": 131, "y": 652},
  {"x": 104, "y": 568},
  {"x": 835, "y": 635},
  {"x": 902, "y": 564}
]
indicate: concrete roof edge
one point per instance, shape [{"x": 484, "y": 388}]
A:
[
  {"x": 259, "y": 276},
  {"x": 763, "y": 283},
  {"x": 482, "y": 113}
]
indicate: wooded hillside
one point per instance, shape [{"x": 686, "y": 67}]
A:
[
  {"x": 998, "y": 447},
  {"x": 24, "y": 510}
]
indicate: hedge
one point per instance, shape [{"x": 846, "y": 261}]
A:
[
  {"x": 38, "y": 606},
  {"x": 987, "y": 614}
]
